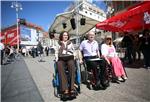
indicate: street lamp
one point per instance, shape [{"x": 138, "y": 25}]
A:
[{"x": 18, "y": 7}]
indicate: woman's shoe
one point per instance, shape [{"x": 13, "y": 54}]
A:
[
  {"x": 125, "y": 78},
  {"x": 65, "y": 94},
  {"x": 73, "y": 93},
  {"x": 120, "y": 79}
]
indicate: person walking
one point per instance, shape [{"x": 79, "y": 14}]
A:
[
  {"x": 33, "y": 52},
  {"x": 24, "y": 51},
  {"x": 40, "y": 51},
  {"x": 136, "y": 47},
  {"x": 128, "y": 44},
  {"x": 2, "y": 52},
  {"x": 145, "y": 47},
  {"x": 47, "y": 50}
]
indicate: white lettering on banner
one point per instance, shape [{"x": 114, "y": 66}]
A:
[
  {"x": 147, "y": 18},
  {"x": 118, "y": 24},
  {"x": 10, "y": 35},
  {"x": 5, "y": 33},
  {"x": 13, "y": 40},
  {"x": 2, "y": 38}
]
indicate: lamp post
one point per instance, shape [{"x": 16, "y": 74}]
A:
[{"x": 17, "y": 7}]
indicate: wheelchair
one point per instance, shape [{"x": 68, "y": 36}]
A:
[
  {"x": 56, "y": 80},
  {"x": 87, "y": 76}
]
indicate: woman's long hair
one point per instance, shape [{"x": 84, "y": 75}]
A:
[
  {"x": 61, "y": 36},
  {"x": 110, "y": 43}
]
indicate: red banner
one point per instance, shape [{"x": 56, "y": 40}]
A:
[{"x": 9, "y": 36}]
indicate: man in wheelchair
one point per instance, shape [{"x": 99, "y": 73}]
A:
[
  {"x": 96, "y": 65},
  {"x": 64, "y": 56}
]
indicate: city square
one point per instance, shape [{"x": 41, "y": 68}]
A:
[{"x": 109, "y": 41}]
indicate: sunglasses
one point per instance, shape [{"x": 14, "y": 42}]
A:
[{"x": 108, "y": 38}]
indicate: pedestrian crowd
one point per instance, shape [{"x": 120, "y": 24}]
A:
[
  {"x": 9, "y": 53},
  {"x": 137, "y": 45}
]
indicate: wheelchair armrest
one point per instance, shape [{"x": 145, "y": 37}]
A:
[{"x": 95, "y": 59}]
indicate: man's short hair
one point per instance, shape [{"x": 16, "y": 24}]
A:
[{"x": 90, "y": 32}]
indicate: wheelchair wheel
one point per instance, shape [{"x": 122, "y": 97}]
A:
[
  {"x": 56, "y": 93},
  {"x": 84, "y": 74},
  {"x": 84, "y": 77}
]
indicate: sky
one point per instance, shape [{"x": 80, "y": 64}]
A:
[{"x": 41, "y": 13}]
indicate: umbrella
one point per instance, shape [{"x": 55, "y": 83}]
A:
[{"x": 134, "y": 19}]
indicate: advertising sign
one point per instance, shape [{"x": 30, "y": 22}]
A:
[
  {"x": 9, "y": 36},
  {"x": 25, "y": 33},
  {"x": 28, "y": 35}
]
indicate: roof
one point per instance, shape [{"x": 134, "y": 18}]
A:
[
  {"x": 27, "y": 24},
  {"x": 65, "y": 18}
]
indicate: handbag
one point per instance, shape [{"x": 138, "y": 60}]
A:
[{"x": 65, "y": 57}]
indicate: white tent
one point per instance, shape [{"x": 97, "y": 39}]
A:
[
  {"x": 57, "y": 25},
  {"x": 85, "y": 10}
]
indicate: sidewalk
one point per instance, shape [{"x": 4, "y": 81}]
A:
[
  {"x": 42, "y": 75},
  {"x": 29, "y": 80},
  {"x": 135, "y": 89},
  {"x": 17, "y": 84}
]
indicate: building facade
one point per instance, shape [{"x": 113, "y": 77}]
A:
[{"x": 29, "y": 34}]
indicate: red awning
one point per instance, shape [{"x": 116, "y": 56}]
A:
[{"x": 134, "y": 19}]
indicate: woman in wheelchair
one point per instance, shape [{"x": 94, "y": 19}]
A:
[
  {"x": 90, "y": 51},
  {"x": 64, "y": 55},
  {"x": 109, "y": 53}
]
